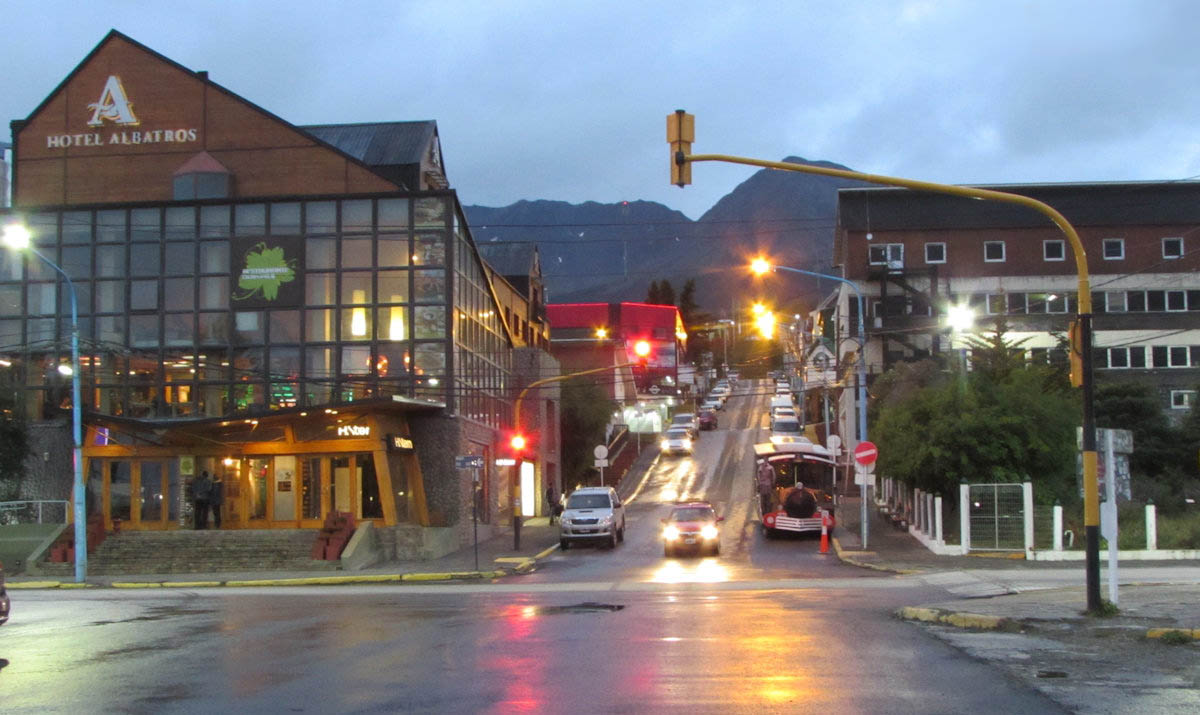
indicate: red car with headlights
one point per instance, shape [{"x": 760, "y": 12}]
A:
[{"x": 692, "y": 527}]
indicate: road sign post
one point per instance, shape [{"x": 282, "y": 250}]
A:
[
  {"x": 864, "y": 455},
  {"x": 473, "y": 462},
  {"x": 601, "y": 455}
]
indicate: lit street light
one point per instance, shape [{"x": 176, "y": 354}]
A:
[
  {"x": 17, "y": 237},
  {"x": 761, "y": 266}
]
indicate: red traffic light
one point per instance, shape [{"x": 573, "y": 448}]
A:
[
  {"x": 517, "y": 442},
  {"x": 641, "y": 348}
]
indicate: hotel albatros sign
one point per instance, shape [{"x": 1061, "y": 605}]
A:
[{"x": 114, "y": 107}]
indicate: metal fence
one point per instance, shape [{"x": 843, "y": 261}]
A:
[
  {"x": 997, "y": 517},
  {"x": 42, "y": 511}
]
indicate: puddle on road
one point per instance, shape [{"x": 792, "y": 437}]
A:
[
  {"x": 157, "y": 613},
  {"x": 586, "y": 607}
]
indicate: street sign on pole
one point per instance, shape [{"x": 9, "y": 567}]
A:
[
  {"x": 865, "y": 453},
  {"x": 600, "y": 452},
  {"x": 468, "y": 461}
]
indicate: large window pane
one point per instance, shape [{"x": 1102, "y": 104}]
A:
[
  {"x": 356, "y": 216},
  {"x": 285, "y": 326},
  {"x": 110, "y": 225},
  {"x": 320, "y": 253},
  {"x": 40, "y": 298},
  {"x": 214, "y": 257},
  {"x": 356, "y": 253},
  {"x": 250, "y": 219},
  {"x": 393, "y": 213},
  {"x": 320, "y": 217},
  {"x": 356, "y": 360},
  {"x": 110, "y": 261},
  {"x": 144, "y": 225},
  {"x": 393, "y": 250},
  {"x": 430, "y": 359},
  {"x": 110, "y": 330},
  {"x": 214, "y": 293},
  {"x": 181, "y": 259},
  {"x": 143, "y": 295},
  {"x": 77, "y": 262},
  {"x": 318, "y": 364},
  {"x": 248, "y": 328},
  {"x": 177, "y": 329},
  {"x": 356, "y": 324},
  {"x": 430, "y": 212},
  {"x": 214, "y": 221},
  {"x": 143, "y": 331},
  {"x": 213, "y": 329},
  {"x": 430, "y": 250},
  {"x": 319, "y": 326},
  {"x": 179, "y": 294},
  {"x": 318, "y": 289},
  {"x": 430, "y": 322},
  {"x": 285, "y": 219},
  {"x": 77, "y": 228},
  {"x": 393, "y": 323},
  {"x": 181, "y": 223},
  {"x": 356, "y": 288},
  {"x": 393, "y": 286},
  {"x": 429, "y": 286}
]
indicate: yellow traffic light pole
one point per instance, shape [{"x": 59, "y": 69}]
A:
[{"x": 681, "y": 134}]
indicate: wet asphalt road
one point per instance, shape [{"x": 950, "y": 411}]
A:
[{"x": 770, "y": 626}]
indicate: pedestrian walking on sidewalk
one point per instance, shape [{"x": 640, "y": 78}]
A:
[
  {"x": 201, "y": 491},
  {"x": 216, "y": 497},
  {"x": 551, "y": 504}
]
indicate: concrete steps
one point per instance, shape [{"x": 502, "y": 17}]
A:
[{"x": 172, "y": 552}]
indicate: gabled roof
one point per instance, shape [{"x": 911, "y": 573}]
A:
[
  {"x": 378, "y": 143},
  {"x": 510, "y": 259}
]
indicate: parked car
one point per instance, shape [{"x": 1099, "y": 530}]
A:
[
  {"x": 707, "y": 419},
  {"x": 5, "y": 604},
  {"x": 688, "y": 421},
  {"x": 676, "y": 440},
  {"x": 592, "y": 514},
  {"x": 692, "y": 527},
  {"x": 786, "y": 429},
  {"x": 711, "y": 403}
]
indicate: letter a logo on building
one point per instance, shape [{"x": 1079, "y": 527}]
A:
[{"x": 113, "y": 106}]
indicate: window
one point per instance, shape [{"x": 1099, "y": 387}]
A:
[
  {"x": 1135, "y": 301},
  {"x": 1114, "y": 301},
  {"x": 1156, "y": 301},
  {"x": 1054, "y": 251},
  {"x": 201, "y": 186},
  {"x": 993, "y": 251},
  {"x": 1172, "y": 248},
  {"x": 996, "y": 304},
  {"x": 1183, "y": 399},
  {"x": 886, "y": 254},
  {"x": 1176, "y": 300},
  {"x": 1016, "y": 303},
  {"x": 1113, "y": 249},
  {"x": 935, "y": 253}
]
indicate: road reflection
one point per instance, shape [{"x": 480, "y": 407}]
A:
[{"x": 703, "y": 571}]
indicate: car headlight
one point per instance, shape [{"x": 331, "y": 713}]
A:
[
  {"x": 687, "y": 444},
  {"x": 606, "y": 519},
  {"x": 671, "y": 533},
  {"x": 709, "y": 531},
  {"x": 665, "y": 445}
]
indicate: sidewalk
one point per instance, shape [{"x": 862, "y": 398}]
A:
[{"x": 497, "y": 558}]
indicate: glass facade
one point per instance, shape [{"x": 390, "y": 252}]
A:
[{"x": 210, "y": 309}]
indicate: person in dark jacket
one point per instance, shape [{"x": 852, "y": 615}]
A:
[
  {"x": 216, "y": 497},
  {"x": 201, "y": 491}
]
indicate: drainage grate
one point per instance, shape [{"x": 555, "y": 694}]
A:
[{"x": 588, "y": 607}]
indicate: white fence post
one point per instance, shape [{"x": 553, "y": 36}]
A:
[
  {"x": 929, "y": 515},
  {"x": 1058, "y": 527},
  {"x": 1027, "y": 490},
  {"x": 937, "y": 520},
  {"x": 1151, "y": 527},
  {"x": 918, "y": 517},
  {"x": 964, "y": 517}
]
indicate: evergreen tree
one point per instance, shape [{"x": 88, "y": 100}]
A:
[
  {"x": 666, "y": 294},
  {"x": 688, "y": 309},
  {"x": 654, "y": 294}
]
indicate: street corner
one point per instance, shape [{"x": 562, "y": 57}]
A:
[
  {"x": 958, "y": 619},
  {"x": 863, "y": 559}
]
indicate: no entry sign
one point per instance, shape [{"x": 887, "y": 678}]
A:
[{"x": 865, "y": 453}]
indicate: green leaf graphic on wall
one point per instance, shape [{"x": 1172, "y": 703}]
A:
[{"x": 265, "y": 271}]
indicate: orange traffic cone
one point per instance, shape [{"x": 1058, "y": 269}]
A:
[{"x": 824, "y": 532}]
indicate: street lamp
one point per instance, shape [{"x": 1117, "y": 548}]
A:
[
  {"x": 961, "y": 318},
  {"x": 17, "y": 237},
  {"x": 761, "y": 266}
]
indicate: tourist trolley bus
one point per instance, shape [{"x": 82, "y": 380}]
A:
[{"x": 794, "y": 484}]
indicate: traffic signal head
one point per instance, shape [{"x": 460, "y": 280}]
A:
[
  {"x": 681, "y": 132},
  {"x": 517, "y": 442},
  {"x": 642, "y": 349}
]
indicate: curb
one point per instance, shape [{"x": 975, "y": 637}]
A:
[
  {"x": 845, "y": 558},
  {"x": 1170, "y": 633},
  {"x": 973, "y": 621}
]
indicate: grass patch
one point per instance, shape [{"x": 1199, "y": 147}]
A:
[
  {"x": 1106, "y": 609},
  {"x": 1175, "y": 638}
]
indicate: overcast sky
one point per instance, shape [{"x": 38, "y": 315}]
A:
[{"x": 567, "y": 100}]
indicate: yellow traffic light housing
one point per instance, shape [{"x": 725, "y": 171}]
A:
[
  {"x": 681, "y": 132},
  {"x": 1076, "y": 355}
]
